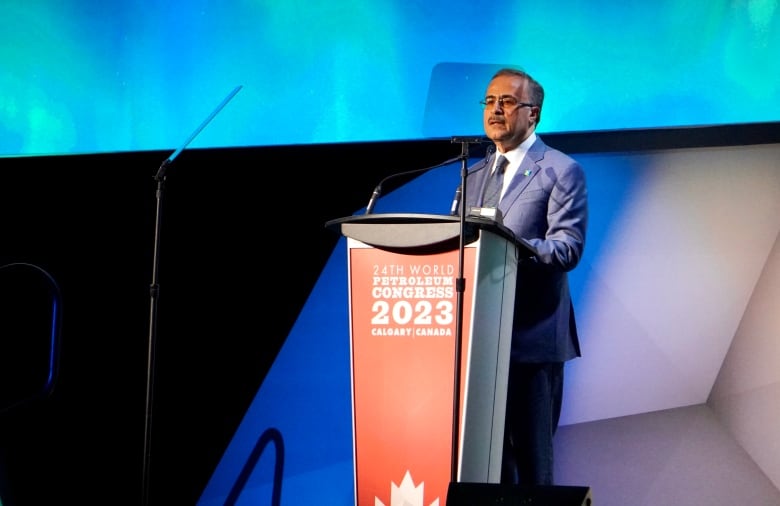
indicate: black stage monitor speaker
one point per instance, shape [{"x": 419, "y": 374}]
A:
[{"x": 492, "y": 494}]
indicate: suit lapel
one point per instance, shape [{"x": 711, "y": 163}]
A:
[
  {"x": 528, "y": 169},
  {"x": 481, "y": 171}
]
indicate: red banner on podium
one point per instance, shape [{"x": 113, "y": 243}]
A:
[
  {"x": 403, "y": 275},
  {"x": 404, "y": 318}
]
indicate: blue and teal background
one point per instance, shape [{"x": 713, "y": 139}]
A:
[{"x": 84, "y": 76}]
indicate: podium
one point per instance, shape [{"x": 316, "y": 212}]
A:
[{"x": 402, "y": 275}]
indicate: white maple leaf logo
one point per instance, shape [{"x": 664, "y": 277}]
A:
[{"x": 407, "y": 494}]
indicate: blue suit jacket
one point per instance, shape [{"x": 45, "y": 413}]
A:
[{"x": 545, "y": 203}]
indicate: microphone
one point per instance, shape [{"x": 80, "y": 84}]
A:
[
  {"x": 372, "y": 200},
  {"x": 378, "y": 190},
  {"x": 456, "y": 201}
]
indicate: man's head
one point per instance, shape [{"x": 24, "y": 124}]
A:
[{"x": 513, "y": 108}]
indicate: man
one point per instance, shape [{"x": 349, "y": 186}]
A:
[{"x": 543, "y": 199}]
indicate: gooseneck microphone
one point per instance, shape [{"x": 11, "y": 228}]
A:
[
  {"x": 456, "y": 201},
  {"x": 378, "y": 190},
  {"x": 374, "y": 196}
]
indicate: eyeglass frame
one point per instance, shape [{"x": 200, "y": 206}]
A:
[{"x": 500, "y": 100}]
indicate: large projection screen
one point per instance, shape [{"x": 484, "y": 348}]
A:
[{"x": 87, "y": 76}]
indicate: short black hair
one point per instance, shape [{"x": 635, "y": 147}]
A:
[{"x": 535, "y": 90}]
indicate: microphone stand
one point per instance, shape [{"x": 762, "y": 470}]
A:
[
  {"x": 460, "y": 287},
  {"x": 154, "y": 293}
]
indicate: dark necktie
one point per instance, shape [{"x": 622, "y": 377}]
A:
[{"x": 495, "y": 183}]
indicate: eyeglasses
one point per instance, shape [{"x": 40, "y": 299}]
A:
[{"x": 507, "y": 102}]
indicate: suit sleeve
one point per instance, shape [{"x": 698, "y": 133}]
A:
[{"x": 567, "y": 217}]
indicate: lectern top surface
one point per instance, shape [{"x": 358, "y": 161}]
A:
[{"x": 411, "y": 230}]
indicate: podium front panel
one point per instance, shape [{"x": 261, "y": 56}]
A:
[{"x": 403, "y": 325}]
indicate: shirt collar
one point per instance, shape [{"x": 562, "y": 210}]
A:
[{"x": 516, "y": 155}]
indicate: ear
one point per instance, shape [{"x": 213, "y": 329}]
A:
[{"x": 536, "y": 114}]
